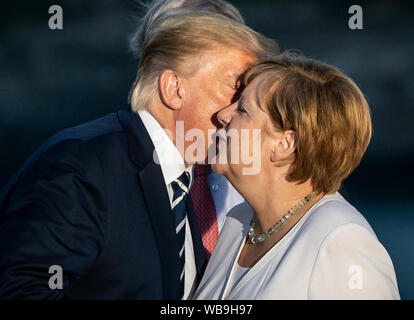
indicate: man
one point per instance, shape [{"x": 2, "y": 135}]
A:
[
  {"x": 94, "y": 201},
  {"x": 212, "y": 195}
]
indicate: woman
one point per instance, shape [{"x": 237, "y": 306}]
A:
[{"x": 297, "y": 237}]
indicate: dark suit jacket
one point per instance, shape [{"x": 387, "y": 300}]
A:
[{"x": 92, "y": 201}]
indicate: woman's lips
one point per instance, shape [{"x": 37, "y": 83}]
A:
[{"x": 221, "y": 145}]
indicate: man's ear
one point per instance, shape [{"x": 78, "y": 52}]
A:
[
  {"x": 284, "y": 146},
  {"x": 171, "y": 89}
]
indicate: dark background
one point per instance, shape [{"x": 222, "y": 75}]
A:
[{"x": 53, "y": 79}]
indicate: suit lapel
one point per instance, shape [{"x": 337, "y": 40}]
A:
[
  {"x": 158, "y": 204},
  {"x": 157, "y": 201}
]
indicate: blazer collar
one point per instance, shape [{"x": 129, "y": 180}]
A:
[
  {"x": 141, "y": 147},
  {"x": 141, "y": 151},
  {"x": 170, "y": 159},
  {"x": 156, "y": 198}
]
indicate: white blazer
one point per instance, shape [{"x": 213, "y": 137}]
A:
[{"x": 331, "y": 253}]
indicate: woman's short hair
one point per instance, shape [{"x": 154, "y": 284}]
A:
[
  {"x": 179, "y": 40},
  {"x": 155, "y": 8},
  {"x": 327, "y": 111}
]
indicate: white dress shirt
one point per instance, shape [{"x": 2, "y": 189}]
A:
[
  {"x": 331, "y": 253},
  {"x": 172, "y": 166}
]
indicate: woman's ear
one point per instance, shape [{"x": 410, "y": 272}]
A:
[
  {"x": 171, "y": 90},
  {"x": 284, "y": 146}
]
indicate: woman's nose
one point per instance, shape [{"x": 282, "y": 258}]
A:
[{"x": 225, "y": 115}]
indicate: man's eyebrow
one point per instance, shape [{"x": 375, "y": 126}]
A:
[
  {"x": 234, "y": 74},
  {"x": 231, "y": 76}
]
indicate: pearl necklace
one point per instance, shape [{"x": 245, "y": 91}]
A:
[{"x": 263, "y": 236}]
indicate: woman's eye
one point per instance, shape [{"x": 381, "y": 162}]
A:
[{"x": 240, "y": 108}]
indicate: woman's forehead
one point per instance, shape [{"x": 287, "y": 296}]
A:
[{"x": 251, "y": 94}]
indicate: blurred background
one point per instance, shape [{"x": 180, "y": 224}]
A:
[{"x": 54, "y": 79}]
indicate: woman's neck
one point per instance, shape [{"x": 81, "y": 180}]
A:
[{"x": 273, "y": 198}]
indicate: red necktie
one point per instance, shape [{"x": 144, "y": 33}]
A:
[{"x": 205, "y": 209}]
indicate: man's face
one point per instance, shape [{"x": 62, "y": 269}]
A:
[{"x": 208, "y": 91}]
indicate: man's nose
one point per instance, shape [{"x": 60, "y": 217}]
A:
[{"x": 225, "y": 115}]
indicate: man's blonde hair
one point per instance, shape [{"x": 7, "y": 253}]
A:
[
  {"x": 155, "y": 8},
  {"x": 327, "y": 111},
  {"x": 179, "y": 40}
]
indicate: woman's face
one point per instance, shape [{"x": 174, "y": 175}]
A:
[{"x": 247, "y": 144}]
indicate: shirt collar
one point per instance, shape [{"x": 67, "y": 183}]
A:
[{"x": 166, "y": 153}]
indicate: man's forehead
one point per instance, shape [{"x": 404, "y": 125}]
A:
[{"x": 227, "y": 65}]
